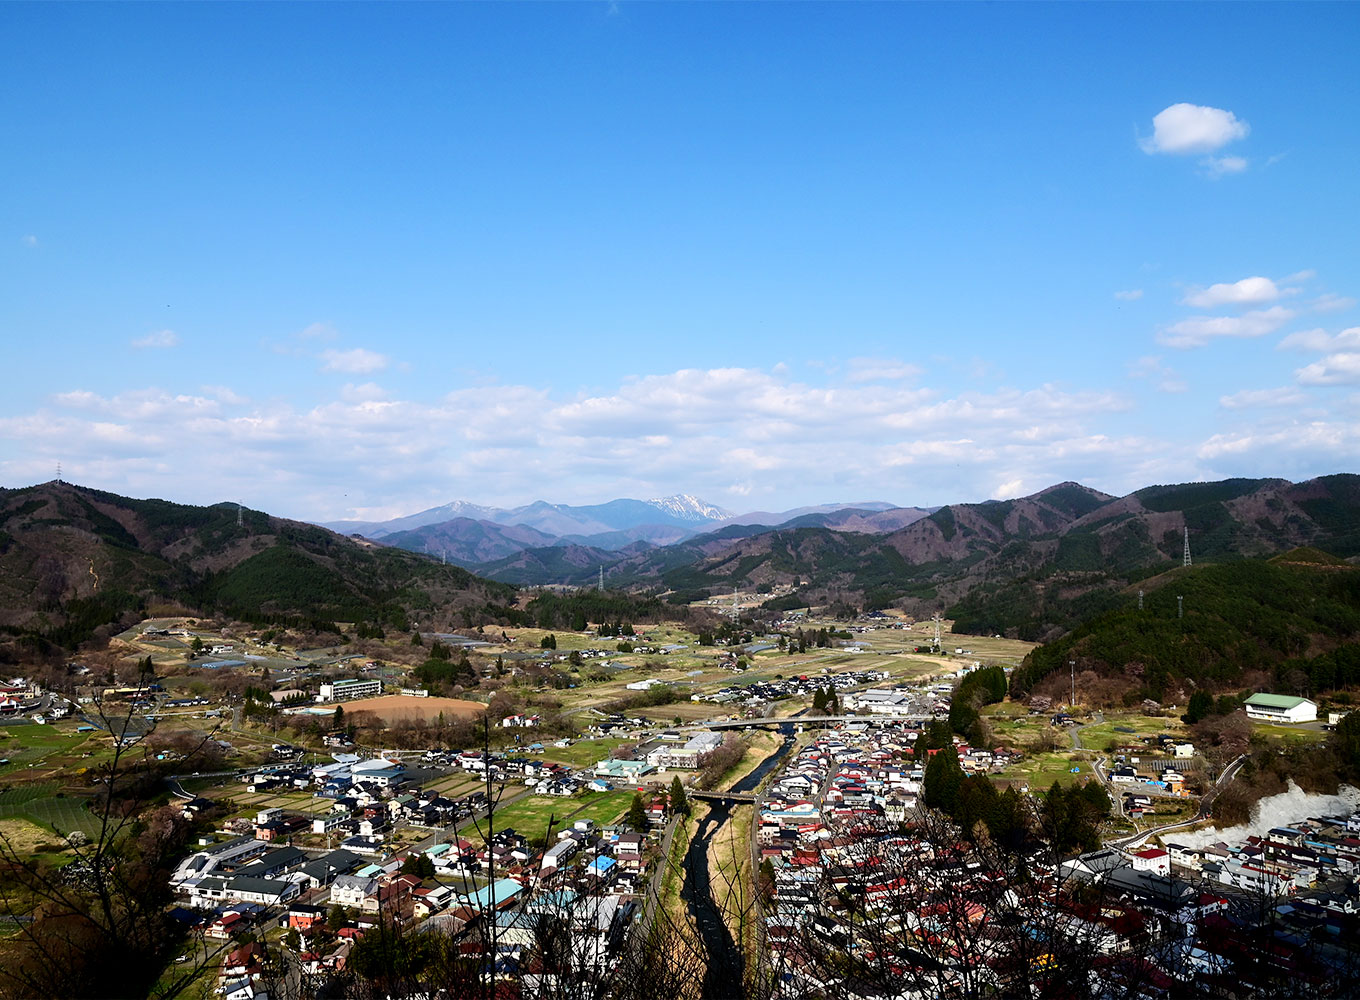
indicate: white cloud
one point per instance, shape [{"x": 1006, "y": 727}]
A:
[
  {"x": 1321, "y": 340},
  {"x": 1249, "y": 398},
  {"x": 880, "y": 369},
  {"x": 355, "y": 361},
  {"x": 700, "y": 430},
  {"x": 1247, "y": 292},
  {"x": 1294, "y": 444},
  {"x": 366, "y": 393},
  {"x": 1342, "y": 368},
  {"x": 1151, "y": 366},
  {"x": 1199, "y": 330},
  {"x": 317, "y": 331},
  {"x": 159, "y": 339},
  {"x": 1132, "y": 295},
  {"x": 1331, "y": 302},
  {"x": 1221, "y": 166},
  {"x": 1306, "y": 340},
  {"x": 1187, "y": 129}
]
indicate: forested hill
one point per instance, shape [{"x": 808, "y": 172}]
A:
[
  {"x": 1291, "y": 623},
  {"x": 1029, "y": 567},
  {"x": 73, "y": 559}
]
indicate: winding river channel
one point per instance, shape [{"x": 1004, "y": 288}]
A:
[{"x": 726, "y": 964}]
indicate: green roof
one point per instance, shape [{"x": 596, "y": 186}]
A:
[{"x": 1281, "y": 701}]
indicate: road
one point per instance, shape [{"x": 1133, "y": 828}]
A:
[
  {"x": 1205, "y": 805},
  {"x": 652, "y": 898}
]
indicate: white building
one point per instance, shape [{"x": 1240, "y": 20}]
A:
[
  {"x": 1280, "y": 708},
  {"x": 353, "y": 688}
]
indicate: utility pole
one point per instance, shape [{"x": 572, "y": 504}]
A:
[{"x": 1073, "y": 665}]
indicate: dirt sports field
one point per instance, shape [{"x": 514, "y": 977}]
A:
[{"x": 394, "y": 707}]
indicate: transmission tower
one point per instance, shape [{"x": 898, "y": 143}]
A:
[
  {"x": 1186, "y": 561},
  {"x": 936, "y": 620},
  {"x": 239, "y": 509},
  {"x": 601, "y": 587},
  {"x": 1140, "y": 600},
  {"x": 736, "y": 613},
  {"x": 58, "y": 472},
  {"x": 1180, "y": 606}
]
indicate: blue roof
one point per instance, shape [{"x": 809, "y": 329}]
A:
[
  {"x": 498, "y": 892},
  {"x": 602, "y": 864}
]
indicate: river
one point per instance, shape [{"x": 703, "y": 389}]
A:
[{"x": 726, "y": 964}]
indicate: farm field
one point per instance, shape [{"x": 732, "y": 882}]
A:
[
  {"x": 455, "y": 786},
  {"x": 39, "y": 803},
  {"x": 1289, "y": 734},
  {"x": 1042, "y": 769},
  {"x": 1099, "y": 737},
  {"x": 583, "y": 752},
  {"x": 293, "y": 801},
  {"x": 40, "y": 752},
  {"x": 392, "y": 708},
  {"x": 529, "y": 815}
]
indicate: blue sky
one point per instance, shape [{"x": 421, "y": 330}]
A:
[{"x": 358, "y": 260}]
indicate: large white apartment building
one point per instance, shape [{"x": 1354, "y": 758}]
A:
[{"x": 348, "y": 689}]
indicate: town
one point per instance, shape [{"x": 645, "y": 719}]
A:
[{"x": 812, "y": 766}]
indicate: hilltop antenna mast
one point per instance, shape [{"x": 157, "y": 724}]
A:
[
  {"x": 58, "y": 472},
  {"x": 1186, "y": 558}
]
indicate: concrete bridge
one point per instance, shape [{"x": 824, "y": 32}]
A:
[{"x": 741, "y": 797}]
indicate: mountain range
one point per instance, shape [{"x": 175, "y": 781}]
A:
[
  {"x": 468, "y": 534},
  {"x": 555, "y": 519},
  {"x": 73, "y": 559},
  {"x": 1028, "y": 566}
]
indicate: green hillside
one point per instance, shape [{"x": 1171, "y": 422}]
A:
[
  {"x": 1298, "y": 618},
  {"x": 74, "y": 559}
]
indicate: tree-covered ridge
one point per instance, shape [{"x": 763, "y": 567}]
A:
[
  {"x": 1210, "y": 625},
  {"x": 1027, "y": 567},
  {"x": 73, "y": 559}
]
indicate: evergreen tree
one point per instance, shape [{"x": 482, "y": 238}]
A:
[
  {"x": 819, "y": 701},
  {"x": 679, "y": 803},
  {"x": 416, "y": 640},
  {"x": 1201, "y": 705},
  {"x": 339, "y": 721},
  {"x": 549, "y": 641},
  {"x": 336, "y": 918},
  {"x": 637, "y": 814},
  {"x": 944, "y": 776},
  {"x": 1345, "y": 744}
]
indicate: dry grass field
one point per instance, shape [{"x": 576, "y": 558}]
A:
[{"x": 392, "y": 708}]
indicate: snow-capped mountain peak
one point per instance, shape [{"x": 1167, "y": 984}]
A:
[{"x": 689, "y": 508}]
